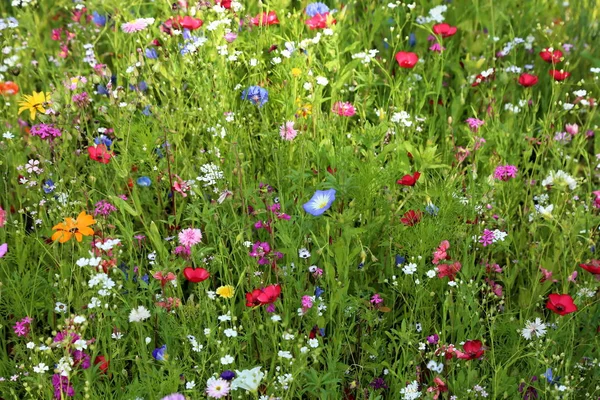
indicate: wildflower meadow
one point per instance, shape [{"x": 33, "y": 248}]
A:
[{"x": 284, "y": 199}]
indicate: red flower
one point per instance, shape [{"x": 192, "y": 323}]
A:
[
  {"x": 265, "y": 19},
  {"x": 480, "y": 78},
  {"x": 473, "y": 349},
  {"x": 104, "y": 363},
  {"x": 8, "y": 88},
  {"x": 444, "y": 30},
  {"x": 224, "y": 3},
  {"x": 100, "y": 153},
  {"x": 252, "y": 298},
  {"x": 406, "y": 59},
  {"x": 561, "y": 304},
  {"x": 269, "y": 294},
  {"x": 320, "y": 21},
  {"x": 180, "y": 22},
  {"x": 527, "y": 80},
  {"x": 551, "y": 56},
  {"x": 195, "y": 275},
  {"x": 409, "y": 180},
  {"x": 592, "y": 267},
  {"x": 559, "y": 75},
  {"x": 449, "y": 270},
  {"x": 411, "y": 217}
]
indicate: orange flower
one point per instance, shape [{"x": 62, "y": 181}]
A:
[{"x": 78, "y": 227}]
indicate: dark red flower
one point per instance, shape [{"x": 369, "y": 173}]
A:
[
  {"x": 252, "y": 298},
  {"x": 527, "y": 80},
  {"x": 409, "y": 180},
  {"x": 320, "y": 21},
  {"x": 444, "y": 30},
  {"x": 103, "y": 362},
  {"x": 195, "y": 275},
  {"x": 224, "y": 3},
  {"x": 559, "y": 75},
  {"x": 100, "y": 153},
  {"x": 561, "y": 304},
  {"x": 472, "y": 349},
  {"x": 411, "y": 217},
  {"x": 265, "y": 19},
  {"x": 551, "y": 56},
  {"x": 592, "y": 267},
  {"x": 406, "y": 59},
  {"x": 449, "y": 270}
]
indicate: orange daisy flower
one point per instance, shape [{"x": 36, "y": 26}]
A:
[{"x": 78, "y": 227}]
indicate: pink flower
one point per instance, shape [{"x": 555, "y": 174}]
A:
[
  {"x": 2, "y": 217},
  {"x": 440, "y": 253},
  {"x": 437, "y": 48},
  {"x": 505, "y": 172},
  {"x": 487, "y": 237},
  {"x": 230, "y": 37},
  {"x": 345, "y": 109},
  {"x": 137, "y": 25},
  {"x": 572, "y": 129},
  {"x": 190, "y": 237},
  {"x": 474, "y": 124},
  {"x": 287, "y": 131},
  {"x": 376, "y": 299},
  {"x": 307, "y": 302},
  {"x": 217, "y": 388}
]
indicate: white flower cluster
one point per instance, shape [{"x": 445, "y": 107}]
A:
[
  {"x": 436, "y": 14},
  {"x": 366, "y": 56},
  {"x": 560, "y": 178},
  {"x": 211, "y": 173}
]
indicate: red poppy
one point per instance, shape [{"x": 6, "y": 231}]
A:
[
  {"x": 224, "y": 3},
  {"x": 406, "y": 59},
  {"x": 472, "y": 349},
  {"x": 449, "y": 270},
  {"x": 190, "y": 23},
  {"x": 551, "y": 56},
  {"x": 103, "y": 362},
  {"x": 265, "y": 19},
  {"x": 444, "y": 30},
  {"x": 269, "y": 294},
  {"x": 320, "y": 21},
  {"x": 100, "y": 153},
  {"x": 527, "y": 80},
  {"x": 195, "y": 275},
  {"x": 559, "y": 75},
  {"x": 411, "y": 217},
  {"x": 252, "y": 298},
  {"x": 409, "y": 180},
  {"x": 8, "y": 88},
  {"x": 592, "y": 267},
  {"x": 561, "y": 304}
]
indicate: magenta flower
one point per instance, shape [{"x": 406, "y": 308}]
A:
[
  {"x": 486, "y": 238},
  {"x": 45, "y": 131},
  {"x": 103, "y": 207},
  {"x": 376, "y": 299},
  {"x": 437, "y": 48},
  {"x": 505, "y": 172},
  {"x": 344, "y": 109},
  {"x": 189, "y": 237},
  {"x": 474, "y": 124}
]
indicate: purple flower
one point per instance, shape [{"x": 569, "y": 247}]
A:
[
  {"x": 227, "y": 375},
  {"x": 505, "y": 172},
  {"x": 160, "y": 354},
  {"x": 487, "y": 237},
  {"x": 45, "y": 131},
  {"x": 433, "y": 339},
  {"x": 174, "y": 396},
  {"x": 378, "y": 383},
  {"x": 474, "y": 124},
  {"x": 103, "y": 207}
]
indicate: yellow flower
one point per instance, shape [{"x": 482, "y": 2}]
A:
[
  {"x": 34, "y": 103},
  {"x": 78, "y": 227},
  {"x": 296, "y": 72},
  {"x": 226, "y": 291}
]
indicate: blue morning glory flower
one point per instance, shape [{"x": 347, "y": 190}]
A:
[
  {"x": 99, "y": 19},
  {"x": 316, "y": 8},
  {"x": 320, "y": 202},
  {"x": 48, "y": 186},
  {"x": 257, "y": 95},
  {"x": 160, "y": 354},
  {"x": 144, "y": 181}
]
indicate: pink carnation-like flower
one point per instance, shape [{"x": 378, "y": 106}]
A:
[
  {"x": 190, "y": 236},
  {"x": 345, "y": 109},
  {"x": 287, "y": 131},
  {"x": 505, "y": 172},
  {"x": 137, "y": 25}
]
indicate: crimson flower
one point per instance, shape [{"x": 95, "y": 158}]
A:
[
  {"x": 592, "y": 267},
  {"x": 406, "y": 59},
  {"x": 527, "y": 80},
  {"x": 472, "y": 349},
  {"x": 449, "y": 270},
  {"x": 252, "y": 298},
  {"x": 559, "y": 75},
  {"x": 261, "y": 297},
  {"x": 411, "y": 217},
  {"x": 188, "y": 22},
  {"x": 265, "y": 19},
  {"x": 409, "y": 180},
  {"x": 195, "y": 275},
  {"x": 103, "y": 362},
  {"x": 100, "y": 153},
  {"x": 224, "y": 3},
  {"x": 561, "y": 304},
  {"x": 320, "y": 21},
  {"x": 444, "y": 30},
  {"x": 551, "y": 56}
]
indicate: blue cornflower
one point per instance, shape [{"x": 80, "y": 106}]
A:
[
  {"x": 320, "y": 202},
  {"x": 318, "y": 292},
  {"x": 146, "y": 279},
  {"x": 99, "y": 19},
  {"x": 101, "y": 89},
  {"x": 400, "y": 259},
  {"x": 550, "y": 378},
  {"x": 151, "y": 53},
  {"x": 48, "y": 186},
  {"x": 102, "y": 139},
  {"x": 257, "y": 95},
  {"x": 160, "y": 354},
  {"x": 146, "y": 111},
  {"x": 144, "y": 181},
  {"x": 316, "y": 8},
  {"x": 227, "y": 375},
  {"x": 412, "y": 40}
]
